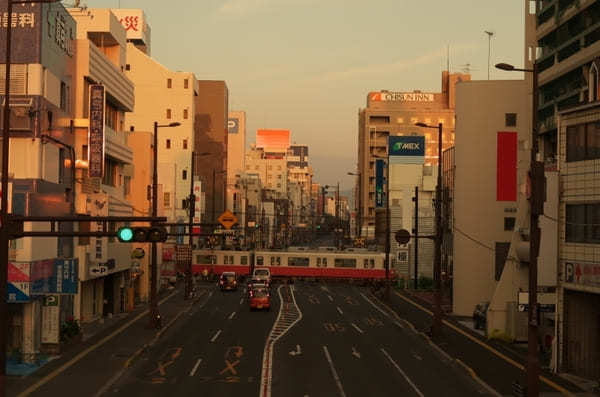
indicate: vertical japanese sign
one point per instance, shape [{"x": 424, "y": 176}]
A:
[
  {"x": 379, "y": 182},
  {"x": 97, "y": 205},
  {"x": 50, "y": 319},
  {"x": 96, "y": 132},
  {"x": 197, "y": 206}
]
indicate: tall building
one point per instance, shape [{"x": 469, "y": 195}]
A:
[
  {"x": 301, "y": 173},
  {"x": 569, "y": 86},
  {"x": 104, "y": 189},
  {"x": 272, "y": 170},
  {"x": 395, "y": 113},
  {"x": 41, "y": 172},
  {"x": 236, "y": 155},
  {"x": 211, "y": 136},
  {"x": 164, "y": 96}
]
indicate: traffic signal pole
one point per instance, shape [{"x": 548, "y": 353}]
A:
[
  {"x": 191, "y": 209},
  {"x": 154, "y": 315}
]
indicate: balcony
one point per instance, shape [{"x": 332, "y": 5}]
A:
[{"x": 116, "y": 145}]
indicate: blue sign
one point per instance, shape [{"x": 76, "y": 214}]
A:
[
  {"x": 61, "y": 278},
  {"x": 407, "y": 149},
  {"x": 233, "y": 125},
  {"x": 379, "y": 182}
]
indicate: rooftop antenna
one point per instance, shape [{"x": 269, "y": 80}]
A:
[{"x": 490, "y": 33}]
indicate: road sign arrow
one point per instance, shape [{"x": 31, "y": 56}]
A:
[
  {"x": 355, "y": 353},
  {"x": 296, "y": 352}
]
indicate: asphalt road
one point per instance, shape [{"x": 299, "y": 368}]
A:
[{"x": 329, "y": 340}]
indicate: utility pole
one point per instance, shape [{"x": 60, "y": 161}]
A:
[
  {"x": 416, "y": 233},
  {"x": 154, "y": 315},
  {"x": 214, "y": 196},
  {"x": 388, "y": 230},
  {"x": 490, "y": 34},
  {"x": 437, "y": 318}
]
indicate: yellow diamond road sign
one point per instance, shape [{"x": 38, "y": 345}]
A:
[{"x": 227, "y": 219}]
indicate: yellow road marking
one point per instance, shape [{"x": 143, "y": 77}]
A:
[
  {"x": 489, "y": 348},
  {"x": 230, "y": 367},
  {"x": 84, "y": 353}
]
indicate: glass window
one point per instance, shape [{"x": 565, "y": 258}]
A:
[
  {"x": 184, "y": 175},
  {"x": 278, "y": 261},
  {"x": 244, "y": 260},
  {"x": 169, "y": 83},
  {"x": 510, "y": 119},
  {"x": 260, "y": 261},
  {"x": 272, "y": 261},
  {"x": 372, "y": 262},
  {"x": 318, "y": 262},
  {"x": 168, "y": 144},
  {"x": 593, "y": 141},
  {"x": 168, "y": 113},
  {"x": 344, "y": 262},
  {"x": 185, "y": 143},
  {"x": 575, "y": 230},
  {"x": 185, "y": 83},
  {"x": 206, "y": 259},
  {"x": 298, "y": 261},
  {"x": 324, "y": 262},
  {"x": 509, "y": 223},
  {"x": 576, "y": 142},
  {"x": 185, "y": 114},
  {"x": 366, "y": 263},
  {"x": 167, "y": 200}
]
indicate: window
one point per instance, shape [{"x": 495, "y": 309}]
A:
[
  {"x": 324, "y": 262},
  {"x": 184, "y": 175},
  {"x": 84, "y": 152},
  {"x": 131, "y": 128},
  {"x": 379, "y": 119},
  {"x": 185, "y": 114},
  {"x": 593, "y": 83},
  {"x": 501, "y": 255},
  {"x": 206, "y": 259},
  {"x": 127, "y": 66},
  {"x": 366, "y": 263},
  {"x": 318, "y": 262},
  {"x": 298, "y": 261},
  {"x": 509, "y": 223},
  {"x": 110, "y": 172},
  {"x": 167, "y": 200},
  {"x": 169, "y": 83},
  {"x": 168, "y": 144},
  {"x": 111, "y": 116},
  {"x": 185, "y": 141},
  {"x": 168, "y": 113},
  {"x": 372, "y": 263},
  {"x": 260, "y": 261},
  {"x": 275, "y": 261},
  {"x": 510, "y": 119},
  {"x": 344, "y": 262},
  {"x": 127, "y": 186},
  {"x": 244, "y": 260},
  {"x": 185, "y": 83},
  {"x": 581, "y": 223}
]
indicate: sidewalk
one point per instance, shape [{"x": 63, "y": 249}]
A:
[
  {"x": 114, "y": 342},
  {"x": 492, "y": 361}
]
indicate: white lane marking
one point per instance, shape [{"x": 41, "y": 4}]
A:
[
  {"x": 415, "y": 355},
  {"x": 231, "y": 315},
  {"x": 214, "y": 338},
  {"x": 193, "y": 371},
  {"x": 355, "y": 353},
  {"x": 330, "y": 298},
  {"x": 382, "y": 311},
  {"x": 402, "y": 372},
  {"x": 241, "y": 300},
  {"x": 334, "y": 372},
  {"x": 356, "y": 328},
  {"x": 340, "y": 310},
  {"x": 211, "y": 294},
  {"x": 296, "y": 352}
]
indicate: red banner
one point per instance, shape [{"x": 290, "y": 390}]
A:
[{"x": 506, "y": 167}]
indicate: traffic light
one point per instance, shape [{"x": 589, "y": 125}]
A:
[
  {"x": 318, "y": 227},
  {"x": 153, "y": 234}
]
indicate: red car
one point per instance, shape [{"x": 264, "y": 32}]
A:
[{"x": 260, "y": 297}]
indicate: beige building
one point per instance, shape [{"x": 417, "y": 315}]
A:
[
  {"x": 273, "y": 172},
  {"x": 164, "y": 96},
  {"x": 100, "y": 49},
  {"x": 236, "y": 155},
  {"x": 395, "y": 113}
]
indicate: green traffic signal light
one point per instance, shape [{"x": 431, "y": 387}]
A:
[{"x": 125, "y": 234}]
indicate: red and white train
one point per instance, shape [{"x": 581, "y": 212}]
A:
[{"x": 322, "y": 263}]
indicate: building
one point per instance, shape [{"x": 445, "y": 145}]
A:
[
  {"x": 104, "y": 189},
  {"x": 395, "y": 113},
  {"x": 163, "y": 96},
  {"x": 273, "y": 142},
  {"x": 301, "y": 173},
  {"x": 211, "y": 136},
  {"x": 272, "y": 170},
  {"x": 236, "y": 155},
  {"x": 41, "y": 175}
]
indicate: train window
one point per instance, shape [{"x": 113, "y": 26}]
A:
[
  {"x": 345, "y": 262},
  {"x": 272, "y": 261},
  {"x": 318, "y": 262},
  {"x": 372, "y": 261},
  {"x": 298, "y": 261},
  {"x": 366, "y": 263},
  {"x": 278, "y": 261},
  {"x": 206, "y": 259},
  {"x": 244, "y": 260},
  {"x": 226, "y": 259},
  {"x": 260, "y": 261},
  {"x": 324, "y": 262}
]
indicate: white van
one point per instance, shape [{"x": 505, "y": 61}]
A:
[{"x": 263, "y": 274}]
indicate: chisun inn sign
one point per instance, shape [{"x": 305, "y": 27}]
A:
[{"x": 387, "y": 96}]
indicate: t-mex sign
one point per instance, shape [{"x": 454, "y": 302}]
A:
[{"x": 407, "y": 149}]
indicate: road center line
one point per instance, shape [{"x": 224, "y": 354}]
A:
[
  {"x": 216, "y": 336},
  {"x": 334, "y": 372},
  {"x": 356, "y": 328},
  {"x": 193, "y": 371},
  {"x": 241, "y": 300},
  {"x": 231, "y": 315},
  {"x": 340, "y": 310},
  {"x": 402, "y": 372},
  {"x": 330, "y": 298}
]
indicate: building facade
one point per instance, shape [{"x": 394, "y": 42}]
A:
[
  {"x": 395, "y": 113},
  {"x": 236, "y": 155}
]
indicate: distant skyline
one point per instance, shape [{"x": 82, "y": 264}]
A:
[{"x": 308, "y": 65}]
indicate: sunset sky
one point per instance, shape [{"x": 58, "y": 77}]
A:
[{"x": 307, "y": 65}]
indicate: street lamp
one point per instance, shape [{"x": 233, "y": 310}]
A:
[
  {"x": 4, "y": 217},
  {"x": 536, "y": 176},
  {"x": 154, "y": 315},
  {"x": 437, "y": 318},
  {"x": 359, "y": 212},
  {"x": 191, "y": 210}
]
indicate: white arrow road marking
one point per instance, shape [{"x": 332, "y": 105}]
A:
[
  {"x": 231, "y": 315},
  {"x": 402, "y": 372},
  {"x": 340, "y": 310},
  {"x": 296, "y": 352},
  {"x": 193, "y": 371},
  {"x": 356, "y": 328},
  {"x": 216, "y": 336},
  {"x": 355, "y": 353}
]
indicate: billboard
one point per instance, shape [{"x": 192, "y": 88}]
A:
[
  {"x": 406, "y": 149},
  {"x": 134, "y": 23},
  {"x": 96, "y": 132},
  {"x": 48, "y": 276},
  {"x": 233, "y": 125},
  {"x": 379, "y": 182},
  {"x": 387, "y": 96},
  {"x": 273, "y": 140},
  {"x": 197, "y": 206}
]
